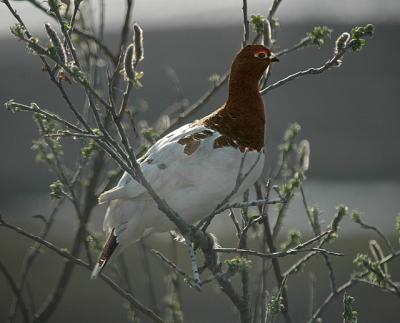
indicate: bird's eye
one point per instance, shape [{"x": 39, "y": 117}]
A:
[{"x": 260, "y": 55}]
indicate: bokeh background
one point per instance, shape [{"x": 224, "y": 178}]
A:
[{"x": 350, "y": 116}]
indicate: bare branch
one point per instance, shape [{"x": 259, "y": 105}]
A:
[
  {"x": 175, "y": 268},
  {"x": 31, "y": 255},
  {"x": 366, "y": 226},
  {"x": 241, "y": 205},
  {"x": 278, "y": 254},
  {"x": 301, "y": 44},
  {"x": 149, "y": 277},
  {"x": 332, "y": 62},
  {"x": 273, "y": 9},
  {"x": 16, "y": 291},
  {"x": 318, "y": 312},
  {"x": 67, "y": 255},
  {"x": 245, "y": 24}
]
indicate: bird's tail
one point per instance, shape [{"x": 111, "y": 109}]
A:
[{"x": 108, "y": 250}]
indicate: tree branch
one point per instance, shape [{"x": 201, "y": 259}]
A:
[
  {"x": 332, "y": 62},
  {"x": 16, "y": 291},
  {"x": 67, "y": 255}
]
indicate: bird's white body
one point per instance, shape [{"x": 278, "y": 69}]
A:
[{"x": 192, "y": 184}]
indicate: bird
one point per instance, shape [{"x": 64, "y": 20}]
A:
[{"x": 196, "y": 166}]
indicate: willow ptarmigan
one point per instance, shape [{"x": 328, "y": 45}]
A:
[{"x": 196, "y": 166}]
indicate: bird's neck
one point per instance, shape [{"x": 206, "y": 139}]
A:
[
  {"x": 244, "y": 98},
  {"x": 242, "y": 118}
]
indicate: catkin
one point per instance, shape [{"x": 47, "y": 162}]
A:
[
  {"x": 56, "y": 43},
  {"x": 129, "y": 62},
  {"x": 138, "y": 39}
]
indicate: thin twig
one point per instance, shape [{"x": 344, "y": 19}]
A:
[
  {"x": 149, "y": 278},
  {"x": 65, "y": 133},
  {"x": 313, "y": 292},
  {"x": 35, "y": 108},
  {"x": 15, "y": 290},
  {"x": 278, "y": 254},
  {"x": 235, "y": 223},
  {"x": 245, "y": 24},
  {"x": 377, "y": 231},
  {"x": 73, "y": 18},
  {"x": 242, "y": 244},
  {"x": 30, "y": 257},
  {"x": 315, "y": 228},
  {"x": 332, "y": 62},
  {"x": 269, "y": 241},
  {"x": 175, "y": 268},
  {"x": 241, "y": 205},
  {"x": 126, "y": 25},
  {"x": 263, "y": 211},
  {"x": 80, "y": 32},
  {"x": 301, "y": 44},
  {"x": 67, "y": 255},
  {"x": 372, "y": 284},
  {"x": 273, "y": 9},
  {"x": 350, "y": 283}
]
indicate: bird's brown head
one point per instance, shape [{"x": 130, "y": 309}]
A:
[
  {"x": 253, "y": 60},
  {"x": 241, "y": 120}
]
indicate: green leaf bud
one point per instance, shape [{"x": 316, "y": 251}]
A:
[
  {"x": 56, "y": 190},
  {"x": 257, "y": 23},
  {"x": 349, "y": 315},
  {"x": 318, "y": 34},
  {"x": 356, "y": 216},
  {"x": 275, "y": 305},
  {"x": 18, "y": 31},
  {"x": 341, "y": 211},
  {"x": 293, "y": 240},
  {"x": 237, "y": 264}
]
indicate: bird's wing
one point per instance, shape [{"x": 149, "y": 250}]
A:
[
  {"x": 170, "y": 151},
  {"x": 173, "y": 148}
]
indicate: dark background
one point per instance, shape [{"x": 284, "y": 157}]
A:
[{"x": 350, "y": 116}]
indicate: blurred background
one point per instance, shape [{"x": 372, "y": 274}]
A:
[{"x": 350, "y": 116}]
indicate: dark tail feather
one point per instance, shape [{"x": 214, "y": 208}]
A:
[{"x": 105, "y": 255}]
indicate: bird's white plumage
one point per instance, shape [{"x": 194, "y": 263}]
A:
[{"x": 192, "y": 184}]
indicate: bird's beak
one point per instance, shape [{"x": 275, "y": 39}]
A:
[{"x": 273, "y": 58}]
